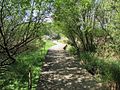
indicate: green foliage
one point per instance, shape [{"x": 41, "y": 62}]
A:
[
  {"x": 21, "y": 21},
  {"x": 16, "y": 76},
  {"x": 71, "y": 49},
  {"x": 93, "y": 26},
  {"x": 107, "y": 71},
  {"x": 90, "y": 26}
]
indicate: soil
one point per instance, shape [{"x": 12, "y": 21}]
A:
[{"x": 62, "y": 71}]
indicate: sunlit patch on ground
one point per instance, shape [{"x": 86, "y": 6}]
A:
[{"x": 62, "y": 72}]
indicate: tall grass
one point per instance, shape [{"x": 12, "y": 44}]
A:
[
  {"x": 16, "y": 76},
  {"x": 107, "y": 70}
]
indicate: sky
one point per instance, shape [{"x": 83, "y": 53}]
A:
[{"x": 47, "y": 15}]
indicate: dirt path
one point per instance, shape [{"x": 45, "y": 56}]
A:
[{"x": 62, "y": 72}]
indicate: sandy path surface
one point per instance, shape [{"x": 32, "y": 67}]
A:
[{"x": 58, "y": 46}]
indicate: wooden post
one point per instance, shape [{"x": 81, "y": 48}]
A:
[
  {"x": 30, "y": 79},
  {"x": 44, "y": 50}
]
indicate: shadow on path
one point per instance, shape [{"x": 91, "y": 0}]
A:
[{"x": 62, "y": 72}]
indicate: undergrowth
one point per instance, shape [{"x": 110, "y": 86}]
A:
[
  {"x": 16, "y": 76},
  {"x": 106, "y": 70}
]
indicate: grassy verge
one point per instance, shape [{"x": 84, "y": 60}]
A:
[
  {"x": 105, "y": 70},
  {"x": 17, "y": 76}
]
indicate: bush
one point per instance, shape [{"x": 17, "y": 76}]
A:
[
  {"x": 16, "y": 76},
  {"x": 109, "y": 71}
]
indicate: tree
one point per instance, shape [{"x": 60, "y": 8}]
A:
[
  {"x": 92, "y": 26},
  {"x": 20, "y": 23},
  {"x": 75, "y": 16},
  {"x": 87, "y": 21}
]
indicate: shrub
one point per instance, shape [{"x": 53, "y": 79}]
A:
[{"x": 107, "y": 69}]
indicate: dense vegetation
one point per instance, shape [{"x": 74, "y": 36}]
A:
[
  {"x": 91, "y": 26},
  {"x": 22, "y": 48}
]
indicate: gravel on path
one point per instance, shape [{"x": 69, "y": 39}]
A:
[{"x": 61, "y": 71}]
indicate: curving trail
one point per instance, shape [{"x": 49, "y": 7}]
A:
[{"x": 62, "y": 72}]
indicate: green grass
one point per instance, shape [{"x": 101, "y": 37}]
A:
[
  {"x": 17, "y": 76},
  {"x": 106, "y": 70}
]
